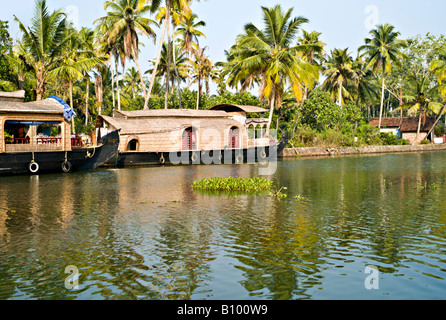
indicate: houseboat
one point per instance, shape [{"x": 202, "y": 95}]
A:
[
  {"x": 35, "y": 137},
  {"x": 224, "y": 134}
]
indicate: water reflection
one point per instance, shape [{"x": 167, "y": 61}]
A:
[{"x": 144, "y": 233}]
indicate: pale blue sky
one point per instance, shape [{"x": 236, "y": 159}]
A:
[{"x": 343, "y": 23}]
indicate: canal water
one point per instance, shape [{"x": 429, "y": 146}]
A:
[{"x": 363, "y": 227}]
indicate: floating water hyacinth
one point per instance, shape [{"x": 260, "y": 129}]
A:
[{"x": 234, "y": 184}]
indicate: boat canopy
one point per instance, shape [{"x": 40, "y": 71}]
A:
[
  {"x": 32, "y": 123},
  {"x": 68, "y": 111}
]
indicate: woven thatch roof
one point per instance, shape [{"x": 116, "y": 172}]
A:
[
  {"x": 164, "y": 113},
  {"x": 136, "y": 126},
  {"x": 17, "y": 96},
  {"x": 405, "y": 124},
  {"x": 44, "y": 106},
  {"x": 238, "y": 108}
]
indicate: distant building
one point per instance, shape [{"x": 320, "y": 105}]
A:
[{"x": 406, "y": 127}]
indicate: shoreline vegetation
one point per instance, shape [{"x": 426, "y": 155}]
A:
[{"x": 323, "y": 98}]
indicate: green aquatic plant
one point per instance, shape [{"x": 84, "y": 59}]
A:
[
  {"x": 279, "y": 194},
  {"x": 300, "y": 197},
  {"x": 233, "y": 184}
]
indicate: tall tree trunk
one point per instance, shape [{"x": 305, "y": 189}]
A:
[
  {"x": 271, "y": 111},
  {"x": 340, "y": 94},
  {"x": 175, "y": 67},
  {"x": 21, "y": 81},
  {"x": 169, "y": 56},
  {"x": 198, "y": 93},
  {"x": 99, "y": 90},
  {"x": 86, "y": 100},
  {"x": 71, "y": 105},
  {"x": 40, "y": 88},
  {"x": 436, "y": 121},
  {"x": 117, "y": 84},
  {"x": 143, "y": 85},
  {"x": 419, "y": 127},
  {"x": 113, "y": 82},
  {"x": 298, "y": 112},
  {"x": 158, "y": 57},
  {"x": 382, "y": 97}
]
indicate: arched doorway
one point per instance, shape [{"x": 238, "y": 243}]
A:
[
  {"x": 234, "y": 134},
  {"x": 133, "y": 145},
  {"x": 189, "y": 139}
]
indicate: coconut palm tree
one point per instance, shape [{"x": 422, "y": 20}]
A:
[
  {"x": 438, "y": 67},
  {"x": 339, "y": 72},
  {"x": 271, "y": 55},
  {"x": 88, "y": 49},
  {"x": 382, "y": 50},
  {"x": 131, "y": 81},
  {"x": 76, "y": 61},
  {"x": 202, "y": 71},
  {"x": 42, "y": 43},
  {"x": 422, "y": 99},
  {"x": 103, "y": 81},
  {"x": 126, "y": 19},
  {"x": 311, "y": 49},
  {"x": 180, "y": 62},
  {"x": 177, "y": 16},
  {"x": 235, "y": 74},
  {"x": 181, "y": 5},
  {"x": 189, "y": 33}
]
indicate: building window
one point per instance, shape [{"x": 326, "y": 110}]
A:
[
  {"x": 189, "y": 139},
  {"x": 234, "y": 138}
]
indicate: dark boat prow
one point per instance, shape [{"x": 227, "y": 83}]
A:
[
  {"x": 282, "y": 144},
  {"x": 99, "y": 155}
]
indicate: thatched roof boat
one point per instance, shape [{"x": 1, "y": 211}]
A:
[{"x": 166, "y": 131}]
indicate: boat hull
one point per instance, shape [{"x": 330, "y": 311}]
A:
[
  {"x": 79, "y": 159},
  {"x": 225, "y": 156}
]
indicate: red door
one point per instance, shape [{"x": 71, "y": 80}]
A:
[
  {"x": 234, "y": 138},
  {"x": 189, "y": 139}
]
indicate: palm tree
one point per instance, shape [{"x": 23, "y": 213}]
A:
[
  {"x": 76, "y": 61},
  {"x": 311, "y": 50},
  {"x": 180, "y": 62},
  {"x": 103, "y": 81},
  {"x": 131, "y": 81},
  {"x": 202, "y": 71},
  {"x": 88, "y": 50},
  {"x": 177, "y": 16},
  {"x": 270, "y": 55},
  {"x": 382, "y": 50},
  {"x": 339, "y": 72},
  {"x": 364, "y": 86},
  {"x": 126, "y": 19},
  {"x": 188, "y": 30},
  {"x": 42, "y": 43},
  {"x": 438, "y": 67},
  {"x": 235, "y": 73},
  {"x": 182, "y": 5},
  {"x": 422, "y": 99}
]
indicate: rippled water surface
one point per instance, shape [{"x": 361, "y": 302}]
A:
[{"x": 144, "y": 233}]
